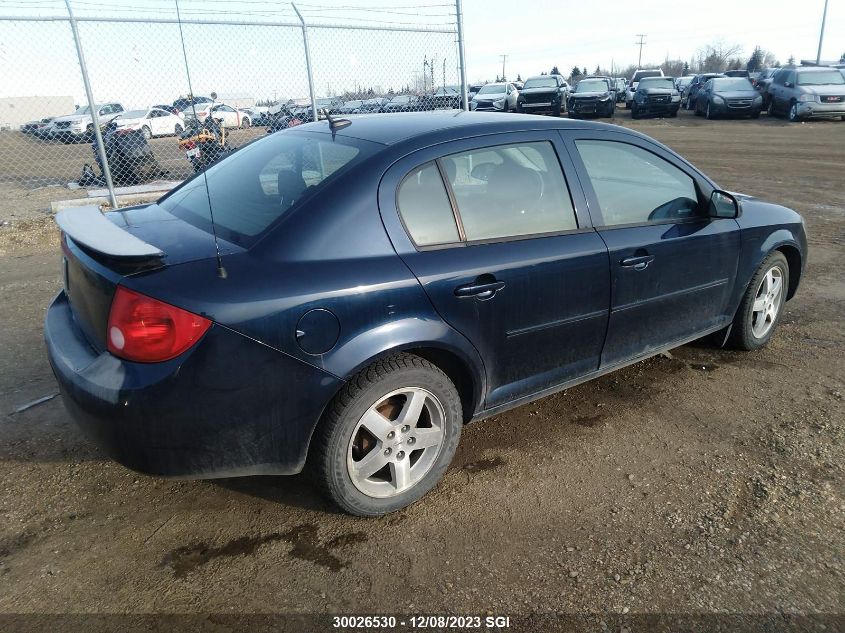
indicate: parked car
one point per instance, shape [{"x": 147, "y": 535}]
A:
[
  {"x": 366, "y": 335},
  {"x": 807, "y": 93},
  {"x": 694, "y": 86},
  {"x": 728, "y": 96},
  {"x": 738, "y": 73},
  {"x": 374, "y": 105},
  {"x": 656, "y": 96},
  {"x": 445, "y": 97},
  {"x": 330, "y": 104},
  {"x": 79, "y": 126},
  {"x": 683, "y": 82},
  {"x": 39, "y": 129},
  {"x": 543, "y": 94},
  {"x": 499, "y": 97},
  {"x": 186, "y": 105},
  {"x": 167, "y": 108},
  {"x": 350, "y": 107},
  {"x": 402, "y": 103},
  {"x": 762, "y": 82},
  {"x": 150, "y": 122},
  {"x": 593, "y": 96},
  {"x": 635, "y": 80},
  {"x": 283, "y": 117},
  {"x": 621, "y": 86}
]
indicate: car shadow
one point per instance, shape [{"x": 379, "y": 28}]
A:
[{"x": 290, "y": 490}]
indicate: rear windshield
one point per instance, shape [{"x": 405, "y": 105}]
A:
[
  {"x": 820, "y": 78},
  {"x": 254, "y": 187}
]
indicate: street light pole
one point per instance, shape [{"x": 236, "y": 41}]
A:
[
  {"x": 641, "y": 42},
  {"x": 821, "y": 35}
]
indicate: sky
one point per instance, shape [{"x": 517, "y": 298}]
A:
[{"x": 142, "y": 64}]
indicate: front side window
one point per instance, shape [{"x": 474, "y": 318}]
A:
[{"x": 635, "y": 186}]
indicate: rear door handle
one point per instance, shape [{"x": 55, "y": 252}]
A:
[
  {"x": 479, "y": 290},
  {"x": 637, "y": 263}
]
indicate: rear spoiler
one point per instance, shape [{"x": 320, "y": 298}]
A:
[{"x": 89, "y": 227}]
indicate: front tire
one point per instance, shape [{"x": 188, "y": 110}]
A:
[
  {"x": 761, "y": 305},
  {"x": 146, "y": 132},
  {"x": 178, "y": 129},
  {"x": 708, "y": 113},
  {"x": 388, "y": 437},
  {"x": 794, "y": 117}
]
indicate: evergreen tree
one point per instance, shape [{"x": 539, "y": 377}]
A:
[
  {"x": 576, "y": 72},
  {"x": 555, "y": 71},
  {"x": 791, "y": 60},
  {"x": 755, "y": 62},
  {"x": 518, "y": 77},
  {"x": 686, "y": 68}
]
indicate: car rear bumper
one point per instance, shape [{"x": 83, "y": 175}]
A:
[
  {"x": 811, "y": 110},
  {"x": 228, "y": 407},
  {"x": 659, "y": 109}
]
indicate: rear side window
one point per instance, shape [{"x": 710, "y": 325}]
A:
[
  {"x": 425, "y": 208},
  {"x": 634, "y": 186},
  {"x": 254, "y": 187},
  {"x": 500, "y": 192}
]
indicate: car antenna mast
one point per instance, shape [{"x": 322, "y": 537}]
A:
[
  {"x": 221, "y": 272},
  {"x": 335, "y": 124}
]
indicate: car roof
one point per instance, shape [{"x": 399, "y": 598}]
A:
[{"x": 389, "y": 129}]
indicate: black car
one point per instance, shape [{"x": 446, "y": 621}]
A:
[
  {"x": 543, "y": 94},
  {"x": 656, "y": 96},
  {"x": 728, "y": 96},
  {"x": 695, "y": 85},
  {"x": 762, "y": 83},
  {"x": 367, "y": 289},
  {"x": 593, "y": 96},
  {"x": 443, "y": 98},
  {"x": 743, "y": 74},
  {"x": 402, "y": 103}
]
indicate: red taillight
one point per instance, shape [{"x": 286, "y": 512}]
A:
[
  {"x": 188, "y": 145},
  {"x": 146, "y": 330}
]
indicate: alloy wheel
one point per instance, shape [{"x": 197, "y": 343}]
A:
[
  {"x": 396, "y": 442},
  {"x": 767, "y": 302}
]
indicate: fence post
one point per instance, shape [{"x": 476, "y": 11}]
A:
[
  {"x": 95, "y": 118},
  {"x": 461, "y": 57},
  {"x": 308, "y": 63}
]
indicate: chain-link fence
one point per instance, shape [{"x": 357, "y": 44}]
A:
[{"x": 171, "y": 93}]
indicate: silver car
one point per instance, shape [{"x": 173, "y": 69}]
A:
[
  {"x": 499, "y": 97},
  {"x": 807, "y": 93}
]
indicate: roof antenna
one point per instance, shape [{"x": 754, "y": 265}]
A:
[
  {"x": 335, "y": 124},
  {"x": 221, "y": 272}
]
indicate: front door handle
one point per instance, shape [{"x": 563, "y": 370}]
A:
[
  {"x": 480, "y": 290},
  {"x": 637, "y": 263}
]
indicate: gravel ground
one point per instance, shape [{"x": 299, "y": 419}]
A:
[{"x": 704, "y": 482}]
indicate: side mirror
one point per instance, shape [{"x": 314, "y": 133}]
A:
[
  {"x": 723, "y": 205},
  {"x": 787, "y": 84}
]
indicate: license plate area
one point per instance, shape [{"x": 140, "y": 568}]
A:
[{"x": 193, "y": 152}]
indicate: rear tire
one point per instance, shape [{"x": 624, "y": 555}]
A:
[
  {"x": 245, "y": 123},
  {"x": 365, "y": 422},
  {"x": 762, "y": 304}
]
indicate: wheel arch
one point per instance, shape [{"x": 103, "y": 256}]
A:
[{"x": 793, "y": 258}]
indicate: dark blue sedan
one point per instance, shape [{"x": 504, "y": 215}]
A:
[{"x": 380, "y": 282}]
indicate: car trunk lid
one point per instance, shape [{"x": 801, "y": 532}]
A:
[{"x": 100, "y": 250}]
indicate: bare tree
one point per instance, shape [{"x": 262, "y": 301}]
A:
[{"x": 715, "y": 57}]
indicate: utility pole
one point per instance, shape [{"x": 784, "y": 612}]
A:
[
  {"x": 425, "y": 70},
  {"x": 459, "y": 19},
  {"x": 444, "y": 71},
  {"x": 642, "y": 37},
  {"x": 821, "y": 35},
  {"x": 504, "y": 59}
]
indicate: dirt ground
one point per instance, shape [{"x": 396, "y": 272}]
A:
[{"x": 708, "y": 482}]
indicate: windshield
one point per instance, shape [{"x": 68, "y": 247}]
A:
[
  {"x": 642, "y": 74},
  {"x": 83, "y": 110},
  {"x": 657, "y": 82},
  {"x": 133, "y": 114},
  {"x": 683, "y": 81},
  {"x": 540, "y": 82},
  {"x": 492, "y": 89},
  {"x": 821, "y": 78},
  {"x": 737, "y": 83},
  {"x": 258, "y": 184},
  {"x": 592, "y": 85},
  {"x": 401, "y": 99},
  {"x": 352, "y": 104}
]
